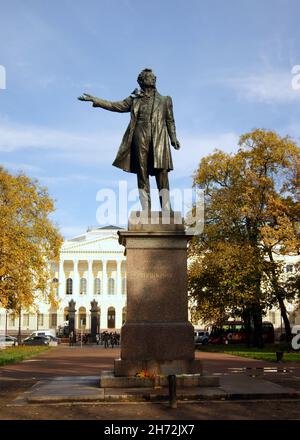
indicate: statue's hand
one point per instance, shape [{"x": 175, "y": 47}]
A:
[
  {"x": 176, "y": 144},
  {"x": 86, "y": 97}
]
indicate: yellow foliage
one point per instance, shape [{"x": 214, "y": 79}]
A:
[
  {"x": 28, "y": 240},
  {"x": 251, "y": 212}
]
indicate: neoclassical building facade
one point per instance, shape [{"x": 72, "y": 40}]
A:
[{"x": 92, "y": 267}]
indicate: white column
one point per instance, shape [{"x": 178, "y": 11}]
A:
[
  {"x": 90, "y": 287},
  {"x": 119, "y": 311},
  {"x": 119, "y": 277},
  {"x": 104, "y": 276},
  {"x": 75, "y": 278},
  {"x": 103, "y": 318},
  {"x": 61, "y": 279}
]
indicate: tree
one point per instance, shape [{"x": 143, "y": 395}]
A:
[
  {"x": 251, "y": 204},
  {"x": 29, "y": 241}
]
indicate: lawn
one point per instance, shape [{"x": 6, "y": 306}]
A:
[
  {"x": 268, "y": 353},
  {"x": 15, "y": 354}
]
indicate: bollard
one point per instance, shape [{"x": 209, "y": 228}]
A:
[
  {"x": 172, "y": 391},
  {"x": 279, "y": 356}
]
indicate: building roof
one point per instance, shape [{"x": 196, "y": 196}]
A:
[{"x": 109, "y": 227}]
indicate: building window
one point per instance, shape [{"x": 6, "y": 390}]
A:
[
  {"x": 111, "y": 286},
  {"x": 55, "y": 285},
  {"x": 69, "y": 286},
  {"x": 53, "y": 320},
  {"x": 82, "y": 317},
  {"x": 289, "y": 268},
  {"x": 40, "y": 319},
  {"x": 97, "y": 286},
  {"x": 12, "y": 320},
  {"x": 83, "y": 285},
  {"x": 124, "y": 290},
  {"x": 26, "y": 320},
  {"x": 111, "y": 318}
]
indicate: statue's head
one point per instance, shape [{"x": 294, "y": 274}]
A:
[{"x": 146, "y": 78}]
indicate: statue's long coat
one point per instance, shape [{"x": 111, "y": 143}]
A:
[{"x": 163, "y": 127}]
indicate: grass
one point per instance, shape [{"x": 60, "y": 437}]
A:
[
  {"x": 268, "y": 353},
  {"x": 15, "y": 354}
]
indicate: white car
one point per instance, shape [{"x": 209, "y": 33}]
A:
[
  {"x": 7, "y": 341},
  {"x": 201, "y": 337}
]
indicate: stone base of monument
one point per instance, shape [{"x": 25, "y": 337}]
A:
[
  {"x": 157, "y": 338},
  {"x": 157, "y": 367},
  {"x": 109, "y": 380}
]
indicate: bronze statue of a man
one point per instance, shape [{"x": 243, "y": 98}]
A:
[{"x": 145, "y": 148}]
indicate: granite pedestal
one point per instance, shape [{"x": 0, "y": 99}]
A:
[{"x": 157, "y": 335}]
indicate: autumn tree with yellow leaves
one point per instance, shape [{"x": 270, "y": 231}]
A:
[
  {"x": 29, "y": 241},
  {"x": 252, "y": 215}
]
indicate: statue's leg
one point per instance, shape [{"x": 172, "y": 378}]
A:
[
  {"x": 162, "y": 181},
  {"x": 141, "y": 153},
  {"x": 143, "y": 181}
]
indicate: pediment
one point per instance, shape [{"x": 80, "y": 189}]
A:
[{"x": 101, "y": 244}]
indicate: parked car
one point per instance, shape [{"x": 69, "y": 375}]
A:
[
  {"x": 8, "y": 341},
  {"x": 53, "y": 340},
  {"x": 201, "y": 337},
  {"x": 36, "y": 340},
  {"x": 50, "y": 332}
]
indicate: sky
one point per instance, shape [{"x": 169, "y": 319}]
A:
[{"x": 226, "y": 64}]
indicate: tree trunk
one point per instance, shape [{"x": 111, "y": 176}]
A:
[
  {"x": 279, "y": 293},
  {"x": 19, "y": 331},
  {"x": 287, "y": 326},
  {"x": 257, "y": 322},
  {"x": 247, "y": 322}
]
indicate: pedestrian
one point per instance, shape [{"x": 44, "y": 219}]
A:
[
  {"x": 112, "y": 340},
  {"x": 106, "y": 338},
  {"x": 71, "y": 338}
]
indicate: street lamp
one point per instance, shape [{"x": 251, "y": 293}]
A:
[{"x": 6, "y": 316}]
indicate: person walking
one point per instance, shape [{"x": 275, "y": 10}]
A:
[
  {"x": 71, "y": 338},
  {"x": 106, "y": 337}
]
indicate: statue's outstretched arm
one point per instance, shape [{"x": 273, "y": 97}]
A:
[{"x": 116, "y": 106}]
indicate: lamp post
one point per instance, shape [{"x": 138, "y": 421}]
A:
[
  {"x": 6, "y": 315},
  {"x": 19, "y": 331}
]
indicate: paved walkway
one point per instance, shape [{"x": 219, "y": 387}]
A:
[
  {"x": 91, "y": 360},
  {"x": 71, "y": 374}
]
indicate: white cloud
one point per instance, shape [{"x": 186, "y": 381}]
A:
[
  {"x": 194, "y": 148},
  {"x": 266, "y": 87},
  {"x": 14, "y": 166},
  {"x": 100, "y": 148},
  {"x": 74, "y": 146}
]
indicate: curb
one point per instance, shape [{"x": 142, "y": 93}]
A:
[{"x": 151, "y": 398}]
